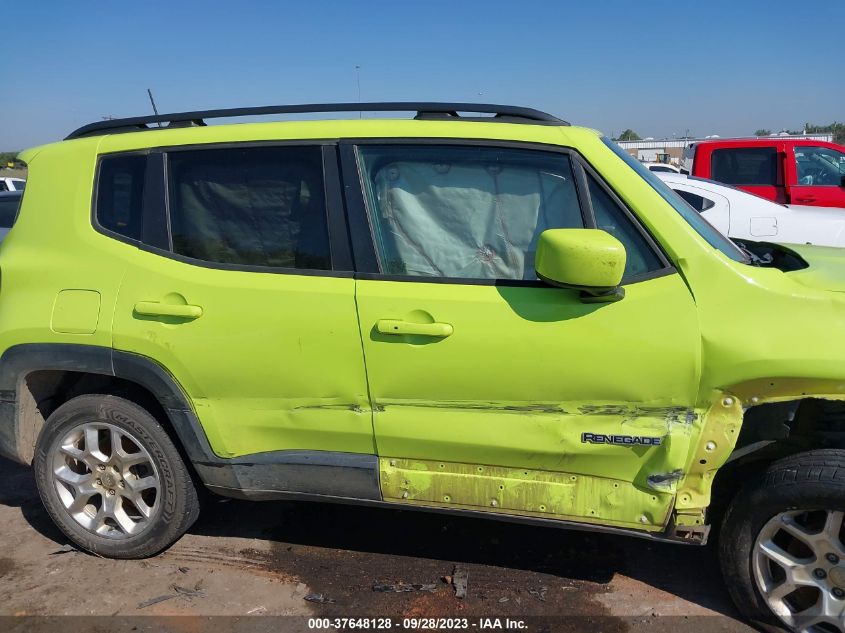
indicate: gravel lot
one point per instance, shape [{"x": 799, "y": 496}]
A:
[{"x": 263, "y": 559}]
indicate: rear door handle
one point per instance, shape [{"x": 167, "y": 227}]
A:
[
  {"x": 806, "y": 199},
  {"x": 154, "y": 308},
  {"x": 394, "y": 326}
]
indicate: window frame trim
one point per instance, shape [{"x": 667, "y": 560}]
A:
[{"x": 361, "y": 225}]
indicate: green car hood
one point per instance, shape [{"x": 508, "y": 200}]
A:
[{"x": 826, "y": 269}]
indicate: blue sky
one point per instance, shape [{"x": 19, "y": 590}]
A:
[{"x": 658, "y": 67}]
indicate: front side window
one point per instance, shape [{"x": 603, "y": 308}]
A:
[
  {"x": 745, "y": 166},
  {"x": 477, "y": 212},
  {"x": 257, "y": 206},
  {"x": 819, "y": 166},
  {"x": 465, "y": 212},
  {"x": 639, "y": 258},
  {"x": 695, "y": 220},
  {"x": 120, "y": 194}
]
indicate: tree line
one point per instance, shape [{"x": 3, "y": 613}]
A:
[
  {"x": 835, "y": 128},
  {"x": 7, "y": 159}
]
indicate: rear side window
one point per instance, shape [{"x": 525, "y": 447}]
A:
[
  {"x": 699, "y": 203},
  {"x": 120, "y": 194},
  {"x": 465, "y": 212},
  {"x": 259, "y": 206},
  {"x": 745, "y": 166}
]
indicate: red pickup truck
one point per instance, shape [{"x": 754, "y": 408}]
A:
[{"x": 791, "y": 171}]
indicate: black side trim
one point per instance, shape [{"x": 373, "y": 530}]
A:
[
  {"x": 282, "y": 474},
  {"x": 360, "y": 232},
  {"x": 156, "y": 227},
  {"x": 669, "y": 535},
  {"x": 341, "y": 252}
]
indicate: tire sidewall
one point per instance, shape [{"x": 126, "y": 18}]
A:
[
  {"x": 749, "y": 512},
  {"x": 144, "y": 430}
]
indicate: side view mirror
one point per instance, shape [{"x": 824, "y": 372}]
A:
[{"x": 589, "y": 260}]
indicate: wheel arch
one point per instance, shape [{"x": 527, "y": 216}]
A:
[
  {"x": 37, "y": 378},
  {"x": 772, "y": 431}
]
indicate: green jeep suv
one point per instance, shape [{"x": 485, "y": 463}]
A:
[{"x": 480, "y": 310}]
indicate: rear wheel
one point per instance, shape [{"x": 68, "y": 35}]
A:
[
  {"x": 111, "y": 478},
  {"x": 782, "y": 544}
]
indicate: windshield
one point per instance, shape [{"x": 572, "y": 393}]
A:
[{"x": 693, "y": 218}]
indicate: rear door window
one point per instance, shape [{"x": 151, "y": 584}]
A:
[
  {"x": 745, "y": 166},
  {"x": 255, "y": 206}
]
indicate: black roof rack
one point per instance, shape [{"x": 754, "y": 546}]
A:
[{"x": 424, "y": 110}]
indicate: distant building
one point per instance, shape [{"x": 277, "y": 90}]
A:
[{"x": 671, "y": 150}]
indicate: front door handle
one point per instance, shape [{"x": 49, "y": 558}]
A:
[
  {"x": 806, "y": 199},
  {"x": 394, "y": 326},
  {"x": 154, "y": 308}
]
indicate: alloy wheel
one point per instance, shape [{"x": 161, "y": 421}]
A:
[
  {"x": 799, "y": 567},
  {"x": 106, "y": 480}
]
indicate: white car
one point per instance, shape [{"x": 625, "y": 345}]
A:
[
  {"x": 742, "y": 215},
  {"x": 12, "y": 184},
  {"x": 662, "y": 168}
]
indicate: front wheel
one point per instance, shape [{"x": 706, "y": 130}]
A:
[
  {"x": 781, "y": 545},
  {"x": 111, "y": 478}
]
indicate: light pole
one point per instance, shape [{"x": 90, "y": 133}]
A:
[{"x": 358, "y": 81}]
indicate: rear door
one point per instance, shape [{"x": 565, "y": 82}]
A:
[
  {"x": 241, "y": 288},
  {"x": 816, "y": 176},
  {"x": 492, "y": 391}
]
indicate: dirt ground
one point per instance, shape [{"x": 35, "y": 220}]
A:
[{"x": 248, "y": 561}]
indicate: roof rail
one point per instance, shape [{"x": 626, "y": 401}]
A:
[{"x": 424, "y": 110}]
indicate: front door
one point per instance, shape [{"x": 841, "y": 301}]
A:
[
  {"x": 492, "y": 391},
  {"x": 244, "y": 306},
  {"x": 818, "y": 174}
]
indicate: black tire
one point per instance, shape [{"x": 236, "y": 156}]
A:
[
  {"x": 813, "y": 480},
  {"x": 177, "y": 505}
]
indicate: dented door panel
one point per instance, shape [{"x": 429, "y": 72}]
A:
[
  {"x": 534, "y": 381},
  {"x": 255, "y": 363}
]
